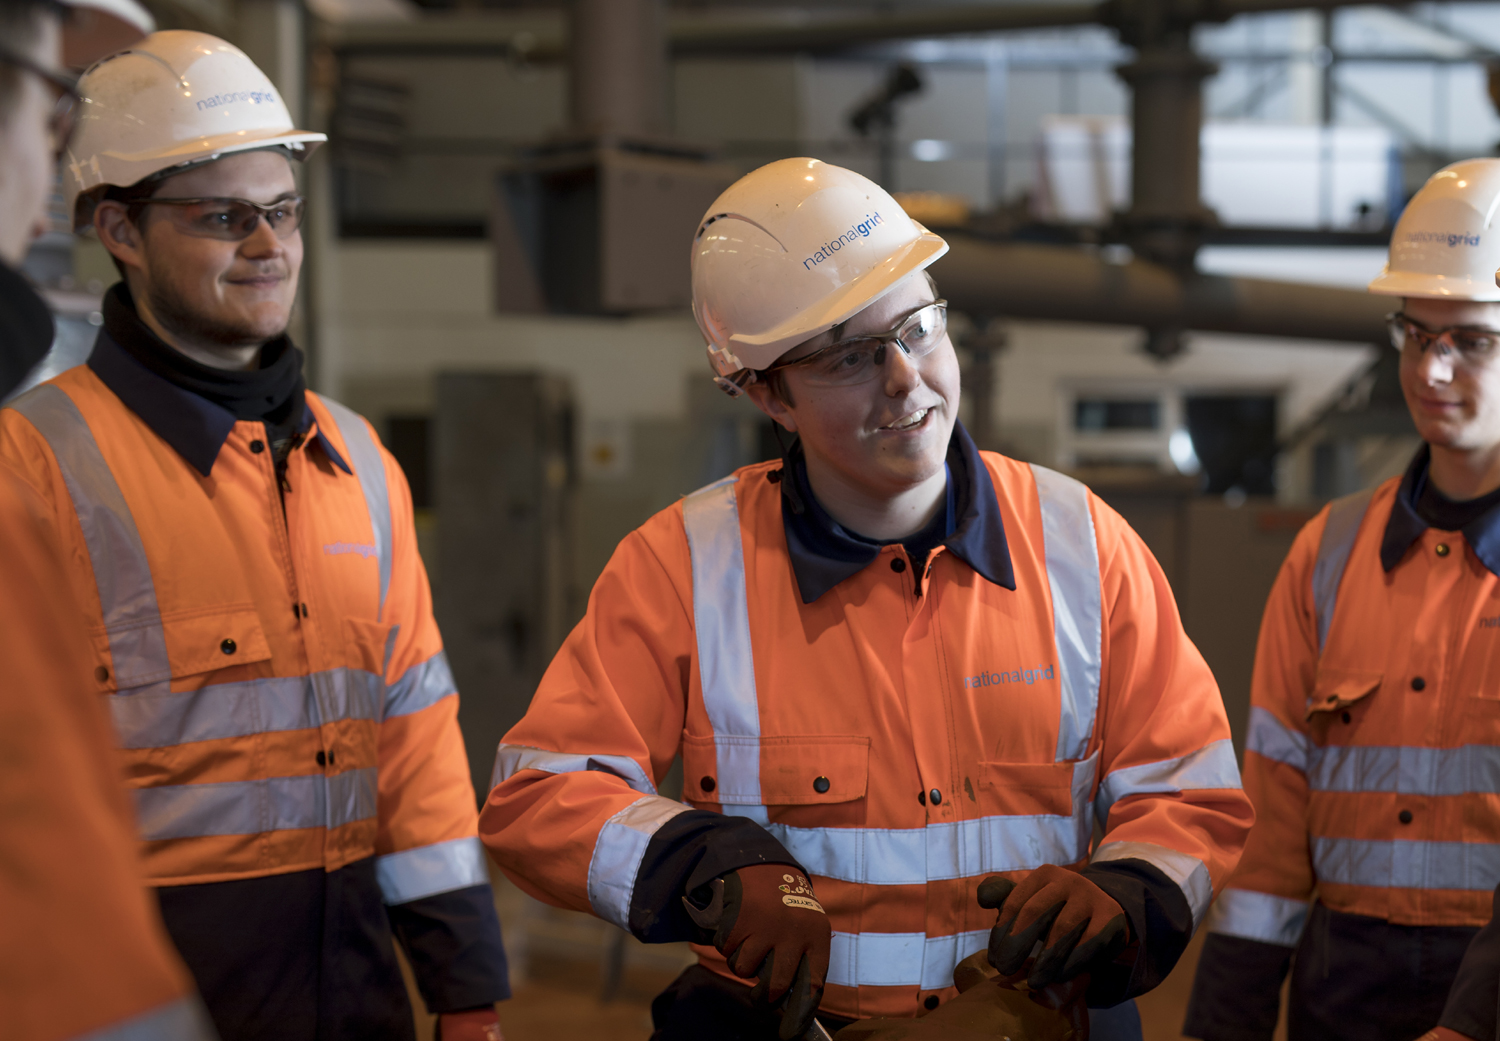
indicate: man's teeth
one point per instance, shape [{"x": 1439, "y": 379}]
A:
[{"x": 910, "y": 421}]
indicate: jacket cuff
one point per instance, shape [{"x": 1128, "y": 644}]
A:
[
  {"x": 1237, "y": 992},
  {"x": 1161, "y": 924},
  {"x": 453, "y": 942},
  {"x": 691, "y": 850}
]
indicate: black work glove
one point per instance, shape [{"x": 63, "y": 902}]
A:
[
  {"x": 1079, "y": 924},
  {"x": 769, "y": 926}
]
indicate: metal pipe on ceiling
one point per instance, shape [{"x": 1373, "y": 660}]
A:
[{"x": 1051, "y": 283}]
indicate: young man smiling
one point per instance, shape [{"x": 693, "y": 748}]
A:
[
  {"x": 801, "y": 633},
  {"x": 287, "y": 715},
  {"x": 1373, "y": 754}
]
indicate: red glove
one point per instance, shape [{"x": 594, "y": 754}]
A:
[
  {"x": 1079, "y": 924},
  {"x": 768, "y": 924},
  {"x": 1444, "y": 1034},
  {"x": 475, "y": 1024}
]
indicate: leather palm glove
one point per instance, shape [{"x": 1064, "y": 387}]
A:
[
  {"x": 1078, "y": 924},
  {"x": 769, "y": 926},
  {"x": 475, "y": 1024},
  {"x": 987, "y": 1008}
]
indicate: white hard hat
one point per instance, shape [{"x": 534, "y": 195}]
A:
[
  {"x": 789, "y": 251},
  {"x": 95, "y": 28},
  {"x": 1447, "y": 244},
  {"x": 171, "y": 101}
]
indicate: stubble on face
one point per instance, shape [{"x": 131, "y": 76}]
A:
[{"x": 177, "y": 307}]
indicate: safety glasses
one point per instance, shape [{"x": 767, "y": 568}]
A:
[
  {"x": 65, "y": 110},
  {"x": 1473, "y": 344},
  {"x": 858, "y": 359},
  {"x": 230, "y": 220}
]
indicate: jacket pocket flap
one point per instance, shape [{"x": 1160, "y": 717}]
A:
[
  {"x": 793, "y": 771},
  {"x": 212, "y": 640},
  {"x": 1336, "y": 689},
  {"x": 1027, "y": 789}
]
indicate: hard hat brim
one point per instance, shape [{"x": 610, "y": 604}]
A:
[
  {"x": 1435, "y": 287},
  {"x": 206, "y": 149},
  {"x": 851, "y": 299}
]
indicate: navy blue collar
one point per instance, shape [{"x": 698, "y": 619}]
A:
[
  {"x": 824, "y": 553},
  {"x": 195, "y": 427},
  {"x": 1406, "y": 527}
]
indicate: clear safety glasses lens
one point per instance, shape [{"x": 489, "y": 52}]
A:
[
  {"x": 231, "y": 220},
  {"x": 860, "y": 358},
  {"x": 1472, "y": 344}
]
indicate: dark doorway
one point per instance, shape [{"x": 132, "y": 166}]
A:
[
  {"x": 1234, "y": 436},
  {"x": 406, "y": 437}
]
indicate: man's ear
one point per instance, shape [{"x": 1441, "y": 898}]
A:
[
  {"x": 118, "y": 234},
  {"x": 769, "y": 402}
]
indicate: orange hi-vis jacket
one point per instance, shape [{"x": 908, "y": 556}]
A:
[
  {"x": 278, "y": 682},
  {"x": 900, "y": 739},
  {"x": 82, "y": 949},
  {"x": 1373, "y": 755},
  {"x": 270, "y": 661}
]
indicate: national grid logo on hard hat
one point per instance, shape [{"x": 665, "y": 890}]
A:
[
  {"x": 1451, "y": 239},
  {"x": 858, "y": 231},
  {"x": 255, "y": 97}
]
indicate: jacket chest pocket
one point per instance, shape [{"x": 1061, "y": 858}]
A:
[
  {"x": 775, "y": 771},
  {"x": 1338, "y": 693},
  {"x": 130, "y": 657},
  {"x": 1026, "y": 789}
]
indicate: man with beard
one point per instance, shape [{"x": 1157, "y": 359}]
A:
[
  {"x": 82, "y": 949},
  {"x": 259, "y": 619}
]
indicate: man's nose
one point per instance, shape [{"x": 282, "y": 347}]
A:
[
  {"x": 1436, "y": 362},
  {"x": 262, "y": 241}
]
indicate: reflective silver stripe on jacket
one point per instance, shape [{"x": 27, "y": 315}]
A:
[
  {"x": 1072, "y": 552},
  {"x": 1404, "y": 864},
  {"x": 180, "y": 811},
  {"x": 950, "y": 849},
  {"x": 1258, "y": 916},
  {"x": 1344, "y": 516},
  {"x": 163, "y": 718},
  {"x": 1465, "y": 770},
  {"x": 421, "y": 686},
  {"x": 1211, "y": 767},
  {"x": 721, "y": 623},
  {"x": 512, "y": 759},
  {"x": 127, "y": 594},
  {"x": 1275, "y": 740},
  {"x": 900, "y": 959},
  {"x": 618, "y": 853},
  {"x": 182, "y": 1020},
  {"x": 146, "y": 712},
  {"x": 423, "y": 871},
  {"x": 369, "y": 467}
]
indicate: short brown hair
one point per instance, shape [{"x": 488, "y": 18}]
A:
[{"x": 778, "y": 385}]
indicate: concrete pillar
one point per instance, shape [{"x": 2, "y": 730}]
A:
[
  {"x": 274, "y": 34},
  {"x": 1166, "y": 81},
  {"x": 618, "y": 59}
]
